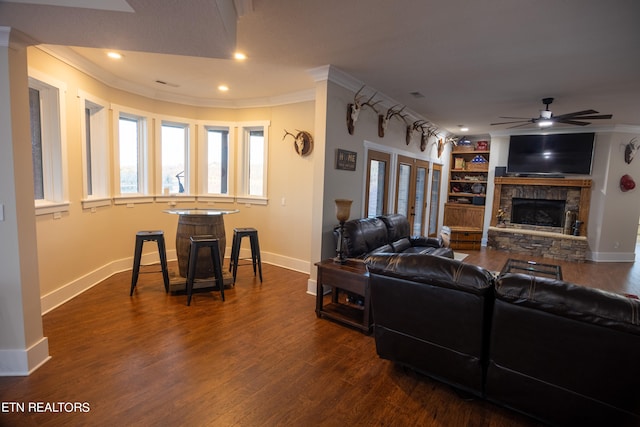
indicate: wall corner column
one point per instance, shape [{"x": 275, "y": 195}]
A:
[{"x": 23, "y": 348}]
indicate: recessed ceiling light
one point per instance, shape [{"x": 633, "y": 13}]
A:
[
  {"x": 114, "y": 55},
  {"x": 463, "y": 128},
  {"x": 239, "y": 56},
  {"x": 223, "y": 88}
]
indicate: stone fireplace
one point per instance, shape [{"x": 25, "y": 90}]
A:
[
  {"x": 539, "y": 217},
  {"x": 538, "y": 212}
]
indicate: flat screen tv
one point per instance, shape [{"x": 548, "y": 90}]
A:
[{"x": 559, "y": 154}]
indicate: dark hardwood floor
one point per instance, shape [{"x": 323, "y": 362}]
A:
[{"x": 261, "y": 358}]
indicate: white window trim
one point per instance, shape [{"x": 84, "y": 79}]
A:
[
  {"x": 56, "y": 176},
  {"x": 145, "y": 197},
  {"x": 190, "y": 158},
  {"x": 203, "y": 195},
  {"x": 102, "y": 164},
  {"x": 242, "y": 176}
]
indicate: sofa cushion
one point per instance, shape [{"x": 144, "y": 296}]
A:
[
  {"x": 566, "y": 299},
  {"x": 397, "y": 226},
  {"x": 401, "y": 245},
  {"x": 363, "y": 235},
  {"x": 430, "y": 269}
]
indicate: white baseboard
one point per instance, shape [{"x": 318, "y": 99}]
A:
[
  {"x": 611, "y": 256},
  {"x": 24, "y": 362},
  {"x": 74, "y": 288}
]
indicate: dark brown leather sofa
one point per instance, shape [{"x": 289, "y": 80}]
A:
[
  {"x": 432, "y": 314},
  {"x": 388, "y": 234},
  {"x": 564, "y": 354}
]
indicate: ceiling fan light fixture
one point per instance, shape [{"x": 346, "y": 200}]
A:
[
  {"x": 545, "y": 114},
  {"x": 545, "y": 123}
]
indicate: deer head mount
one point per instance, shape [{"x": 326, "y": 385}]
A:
[
  {"x": 383, "y": 119},
  {"x": 353, "y": 109},
  {"x": 303, "y": 142},
  {"x": 630, "y": 150}
]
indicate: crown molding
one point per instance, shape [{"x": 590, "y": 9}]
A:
[{"x": 341, "y": 78}]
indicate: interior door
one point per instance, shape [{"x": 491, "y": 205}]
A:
[{"x": 411, "y": 192}]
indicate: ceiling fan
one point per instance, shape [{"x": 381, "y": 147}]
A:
[{"x": 547, "y": 118}]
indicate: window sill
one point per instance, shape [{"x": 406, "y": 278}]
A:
[
  {"x": 175, "y": 198},
  {"x": 210, "y": 198},
  {"x": 45, "y": 207},
  {"x": 96, "y": 203},
  {"x": 131, "y": 200},
  {"x": 253, "y": 200}
]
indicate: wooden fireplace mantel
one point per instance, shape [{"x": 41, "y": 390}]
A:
[
  {"x": 583, "y": 184},
  {"x": 556, "y": 182}
]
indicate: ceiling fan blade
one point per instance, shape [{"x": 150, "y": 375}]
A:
[
  {"x": 600, "y": 116},
  {"x": 572, "y": 122},
  {"x": 507, "y": 117},
  {"x": 517, "y": 121},
  {"x": 577, "y": 113}
]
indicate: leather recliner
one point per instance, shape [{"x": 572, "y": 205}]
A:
[
  {"x": 566, "y": 354},
  {"x": 432, "y": 314}
]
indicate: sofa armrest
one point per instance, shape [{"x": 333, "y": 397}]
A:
[{"x": 433, "y": 242}]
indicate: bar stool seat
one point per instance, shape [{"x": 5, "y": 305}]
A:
[
  {"x": 197, "y": 243},
  {"x": 256, "y": 261},
  {"x": 149, "y": 236}
]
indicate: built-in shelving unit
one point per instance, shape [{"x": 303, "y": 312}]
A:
[{"x": 468, "y": 178}]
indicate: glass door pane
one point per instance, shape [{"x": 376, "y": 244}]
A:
[
  {"x": 435, "y": 200},
  {"x": 377, "y": 183},
  {"x": 420, "y": 200},
  {"x": 404, "y": 189}
]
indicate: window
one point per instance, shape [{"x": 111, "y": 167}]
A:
[
  {"x": 217, "y": 154},
  {"x": 174, "y": 142},
  {"x": 95, "y": 152},
  {"x": 132, "y": 137},
  {"x": 377, "y": 183},
  {"x": 46, "y": 107},
  {"x": 254, "y": 163}
]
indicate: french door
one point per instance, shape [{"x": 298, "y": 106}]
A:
[
  {"x": 378, "y": 168},
  {"x": 436, "y": 179},
  {"x": 411, "y": 192}
]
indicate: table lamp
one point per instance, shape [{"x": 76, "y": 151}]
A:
[{"x": 343, "y": 209}]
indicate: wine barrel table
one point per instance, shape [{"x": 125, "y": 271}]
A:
[{"x": 197, "y": 222}]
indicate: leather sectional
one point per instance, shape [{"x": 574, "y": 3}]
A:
[
  {"x": 387, "y": 234},
  {"x": 564, "y": 354}
]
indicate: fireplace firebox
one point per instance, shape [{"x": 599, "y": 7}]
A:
[{"x": 539, "y": 212}]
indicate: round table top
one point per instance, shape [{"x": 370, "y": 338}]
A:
[{"x": 200, "y": 211}]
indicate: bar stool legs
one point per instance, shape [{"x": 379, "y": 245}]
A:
[
  {"x": 198, "y": 242},
  {"x": 256, "y": 261},
  {"x": 149, "y": 236}
]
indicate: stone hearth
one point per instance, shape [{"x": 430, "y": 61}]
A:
[{"x": 555, "y": 242}]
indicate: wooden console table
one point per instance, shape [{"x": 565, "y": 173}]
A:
[{"x": 351, "y": 277}]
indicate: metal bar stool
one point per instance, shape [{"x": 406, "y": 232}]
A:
[
  {"x": 198, "y": 242},
  {"x": 150, "y": 236},
  {"x": 238, "y": 234}
]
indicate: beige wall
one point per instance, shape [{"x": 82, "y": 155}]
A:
[{"x": 84, "y": 246}]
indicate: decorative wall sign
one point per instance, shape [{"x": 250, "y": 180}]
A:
[{"x": 346, "y": 160}]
